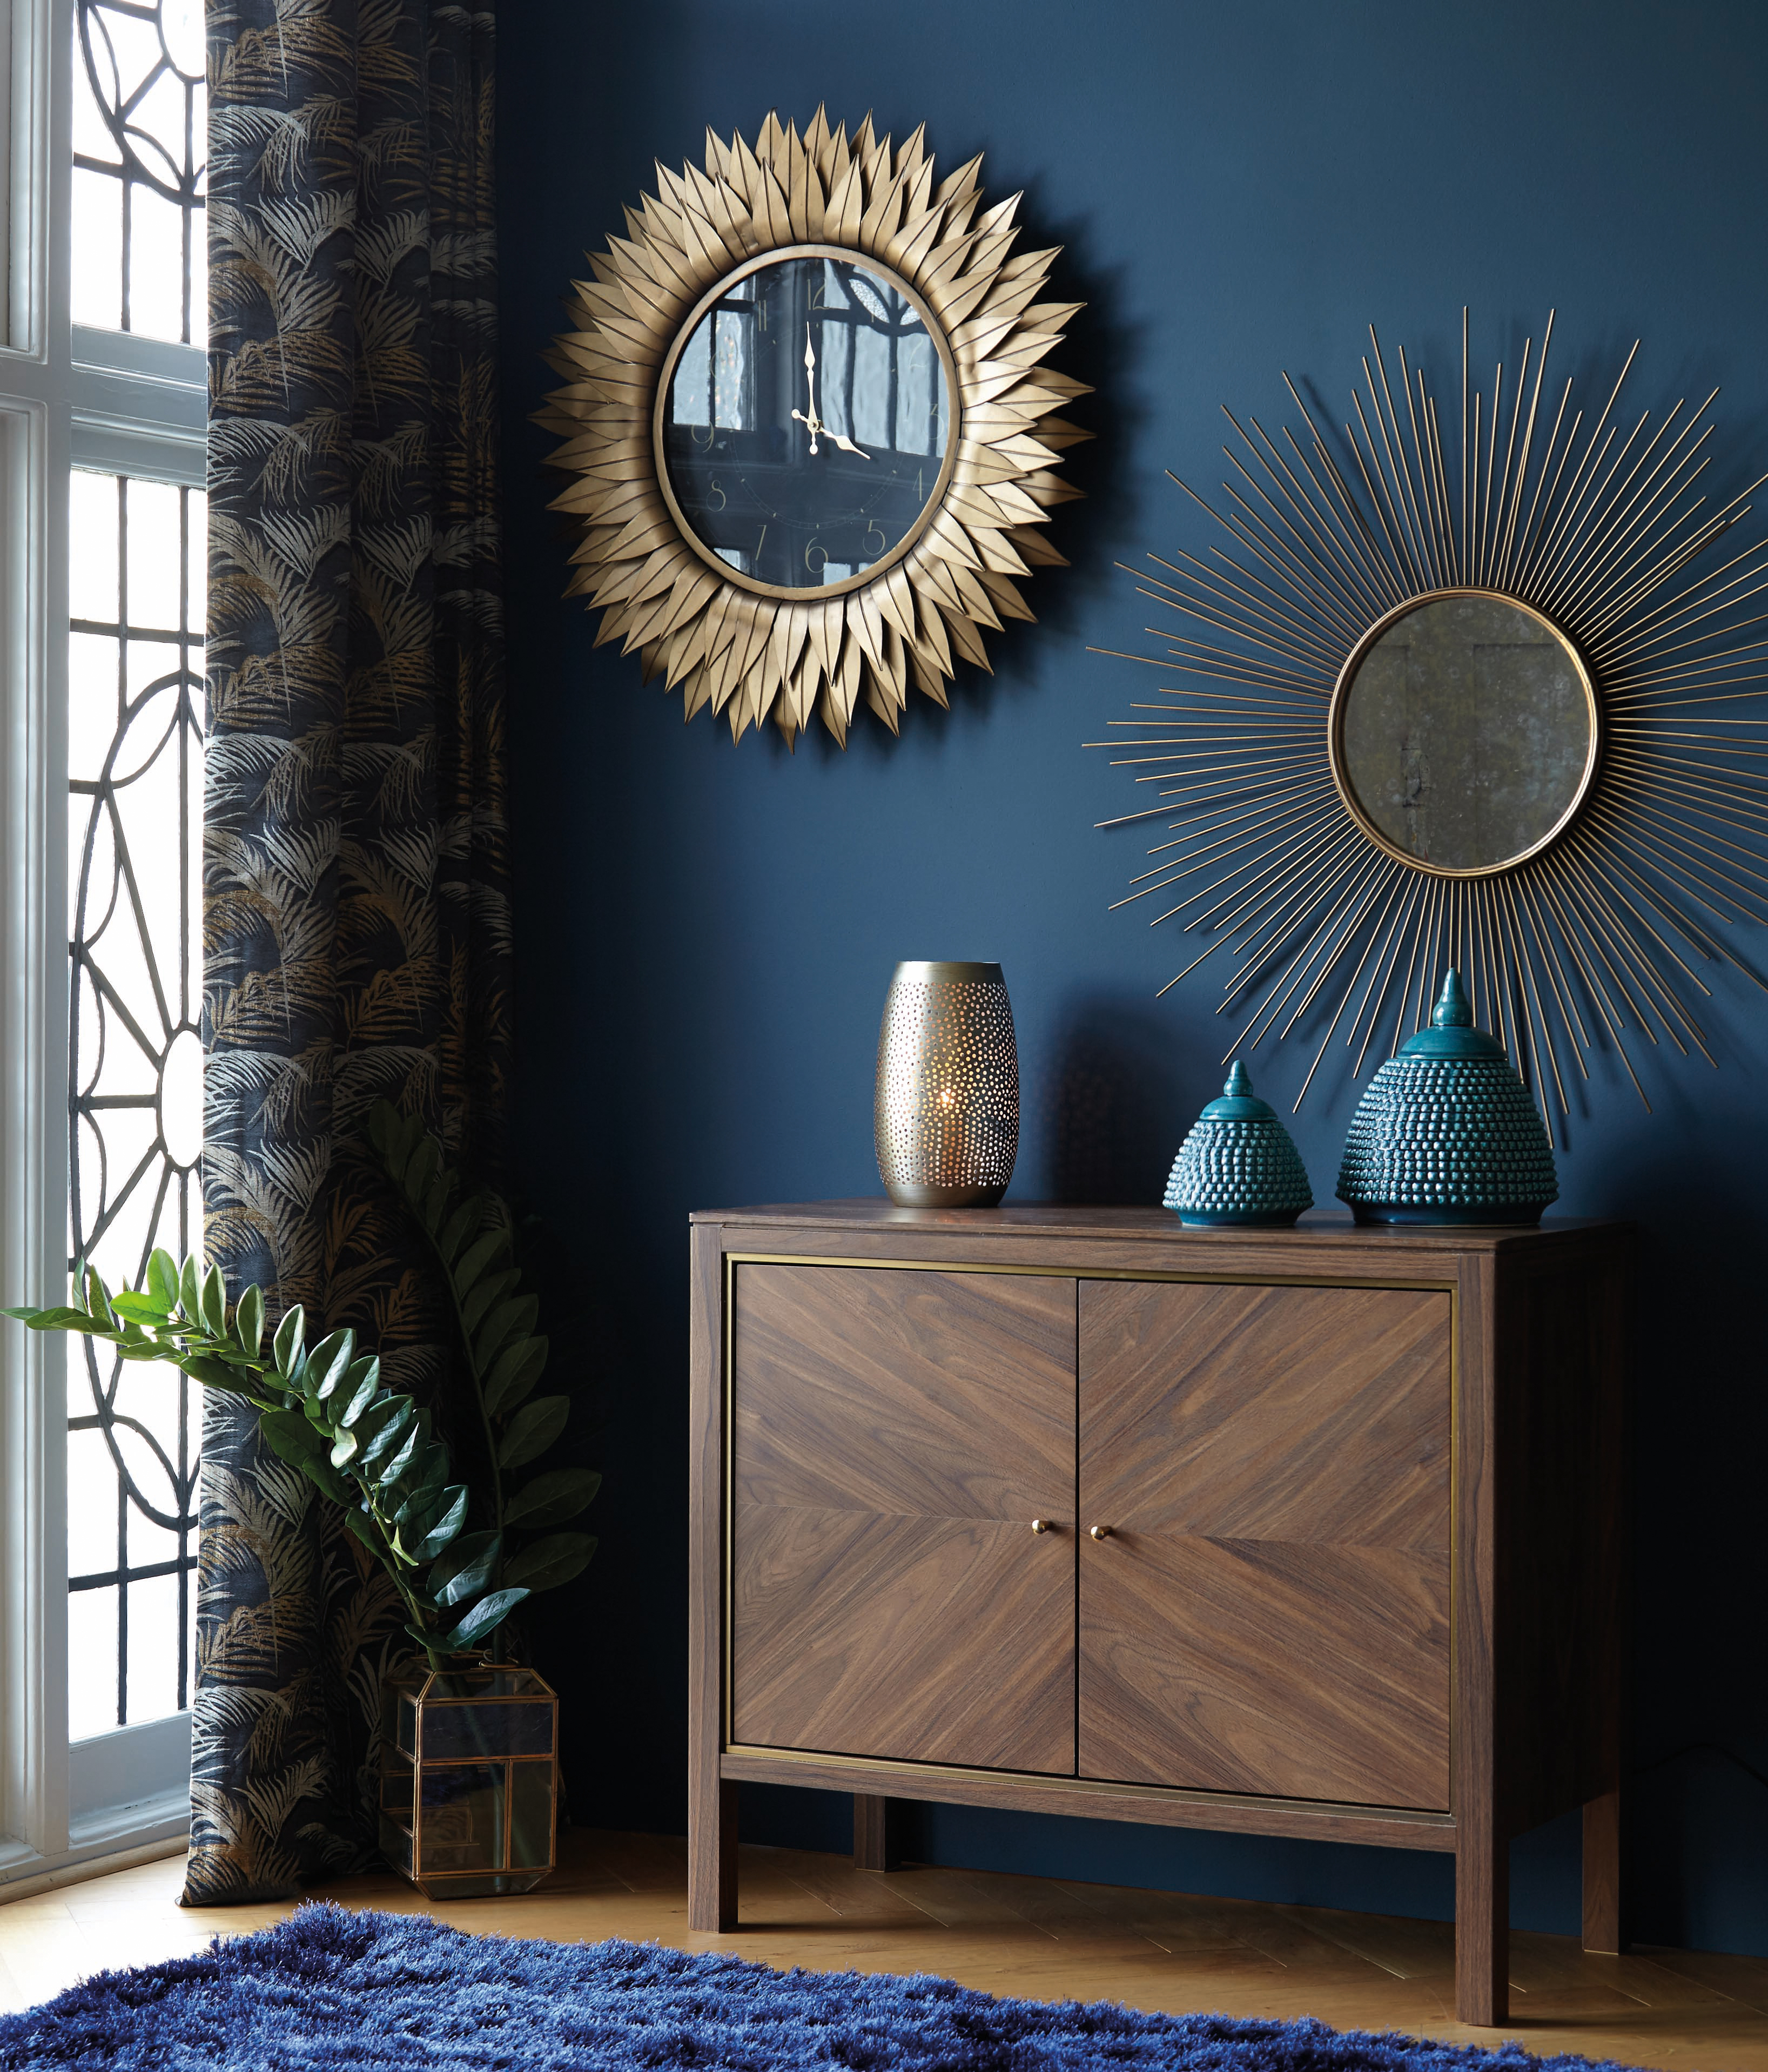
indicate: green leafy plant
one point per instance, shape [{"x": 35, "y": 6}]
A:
[
  {"x": 327, "y": 1413},
  {"x": 324, "y": 1411},
  {"x": 472, "y": 1240}
]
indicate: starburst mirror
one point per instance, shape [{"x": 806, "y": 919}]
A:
[
  {"x": 1484, "y": 699},
  {"x": 811, "y": 440}
]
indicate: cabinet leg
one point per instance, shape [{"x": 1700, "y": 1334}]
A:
[
  {"x": 712, "y": 1859},
  {"x": 875, "y": 1846},
  {"x": 1482, "y": 1927},
  {"x": 1604, "y": 1917}
]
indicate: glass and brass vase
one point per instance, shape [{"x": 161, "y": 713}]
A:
[
  {"x": 946, "y": 1111},
  {"x": 469, "y": 1779}
]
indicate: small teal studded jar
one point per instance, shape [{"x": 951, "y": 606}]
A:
[
  {"x": 1237, "y": 1165},
  {"x": 1446, "y": 1134}
]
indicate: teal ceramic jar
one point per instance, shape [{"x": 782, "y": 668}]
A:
[
  {"x": 1446, "y": 1134},
  {"x": 1237, "y": 1165}
]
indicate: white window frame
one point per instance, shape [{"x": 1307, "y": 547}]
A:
[{"x": 69, "y": 397}]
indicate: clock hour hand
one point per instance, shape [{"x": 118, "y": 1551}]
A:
[{"x": 846, "y": 446}]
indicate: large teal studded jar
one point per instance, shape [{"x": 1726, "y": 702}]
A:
[
  {"x": 1446, "y": 1132},
  {"x": 1238, "y": 1165}
]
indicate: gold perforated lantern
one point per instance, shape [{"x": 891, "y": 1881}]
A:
[
  {"x": 468, "y": 1779},
  {"x": 946, "y": 1111}
]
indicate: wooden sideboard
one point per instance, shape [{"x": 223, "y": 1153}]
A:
[{"x": 1311, "y": 1533}]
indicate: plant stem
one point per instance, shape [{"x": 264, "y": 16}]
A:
[{"x": 389, "y": 1560}]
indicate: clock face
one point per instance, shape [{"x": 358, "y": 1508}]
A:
[{"x": 805, "y": 423}]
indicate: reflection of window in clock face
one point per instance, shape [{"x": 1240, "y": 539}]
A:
[{"x": 806, "y": 423}]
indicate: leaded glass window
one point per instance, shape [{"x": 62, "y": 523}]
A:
[
  {"x": 135, "y": 750},
  {"x": 140, "y": 119},
  {"x": 111, "y": 386},
  {"x": 135, "y": 1075}
]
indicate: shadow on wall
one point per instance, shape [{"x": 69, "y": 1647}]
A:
[
  {"x": 1700, "y": 1432},
  {"x": 1103, "y": 347},
  {"x": 1126, "y": 1082}
]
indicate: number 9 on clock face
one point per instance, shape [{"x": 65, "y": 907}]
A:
[{"x": 804, "y": 422}]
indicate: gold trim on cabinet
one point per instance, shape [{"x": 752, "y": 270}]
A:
[
  {"x": 727, "y": 1444},
  {"x": 727, "y": 1441},
  {"x": 1090, "y": 1274}
]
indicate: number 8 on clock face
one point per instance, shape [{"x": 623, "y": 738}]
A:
[{"x": 805, "y": 421}]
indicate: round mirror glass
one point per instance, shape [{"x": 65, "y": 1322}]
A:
[
  {"x": 1465, "y": 733},
  {"x": 804, "y": 423}
]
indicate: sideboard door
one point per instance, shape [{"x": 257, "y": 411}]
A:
[
  {"x": 895, "y": 1432},
  {"x": 1269, "y": 1611}
]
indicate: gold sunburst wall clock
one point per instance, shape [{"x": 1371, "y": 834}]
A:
[
  {"x": 811, "y": 437},
  {"x": 1462, "y": 698}
]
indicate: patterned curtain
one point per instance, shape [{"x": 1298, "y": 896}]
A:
[{"x": 354, "y": 881}]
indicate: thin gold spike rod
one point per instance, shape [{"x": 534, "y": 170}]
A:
[{"x": 1487, "y": 700}]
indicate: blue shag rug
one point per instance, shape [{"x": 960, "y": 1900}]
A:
[{"x": 330, "y": 1991}]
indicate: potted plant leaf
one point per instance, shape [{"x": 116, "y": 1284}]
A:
[
  {"x": 472, "y": 1242},
  {"x": 374, "y": 1451}
]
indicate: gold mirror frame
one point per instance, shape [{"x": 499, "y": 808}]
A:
[
  {"x": 1341, "y": 694},
  {"x": 752, "y": 655},
  {"x": 1594, "y": 939}
]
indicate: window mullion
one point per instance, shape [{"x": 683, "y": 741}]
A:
[
  {"x": 139, "y": 407},
  {"x": 34, "y": 479},
  {"x": 118, "y": 444}
]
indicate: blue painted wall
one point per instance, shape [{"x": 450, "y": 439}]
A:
[{"x": 706, "y": 932}]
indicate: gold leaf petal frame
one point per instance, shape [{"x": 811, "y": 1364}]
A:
[
  {"x": 1596, "y": 937},
  {"x": 749, "y": 656}
]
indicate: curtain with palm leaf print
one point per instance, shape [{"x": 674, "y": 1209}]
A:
[{"x": 357, "y": 943}]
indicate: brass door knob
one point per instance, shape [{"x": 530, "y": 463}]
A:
[
  {"x": 1100, "y": 1532},
  {"x": 1040, "y": 1525}
]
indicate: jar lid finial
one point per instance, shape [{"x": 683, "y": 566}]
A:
[{"x": 1452, "y": 1011}]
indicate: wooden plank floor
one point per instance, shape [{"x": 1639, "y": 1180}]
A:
[{"x": 1038, "y": 1937}]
